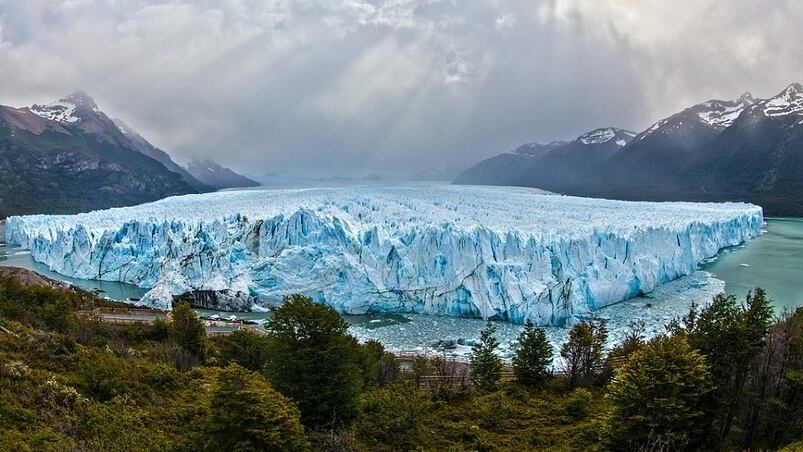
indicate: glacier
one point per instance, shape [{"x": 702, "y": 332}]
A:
[{"x": 502, "y": 253}]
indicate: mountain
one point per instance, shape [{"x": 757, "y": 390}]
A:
[
  {"x": 653, "y": 163},
  {"x": 552, "y": 166},
  {"x": 216, "y": 176},
  {"x": 745, "y": 149},
  {"x": 508, "y": 168},
  {"x": 143, "y": 146},
  {"x": 68, "y": 156}
]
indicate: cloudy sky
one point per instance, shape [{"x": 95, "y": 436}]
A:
[{"x": 390, "y": 86}]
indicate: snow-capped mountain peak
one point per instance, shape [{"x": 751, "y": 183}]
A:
[
  {"x": 719, "y": 113},
  {"x": 788, "y": 101},
  {"x": 606, "y": 134},
  {"x": 65, "y": 109}
]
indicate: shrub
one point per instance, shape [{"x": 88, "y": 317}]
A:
[
  {"x": 246, "y": 413},
  {"x": 659, "y": 397}
]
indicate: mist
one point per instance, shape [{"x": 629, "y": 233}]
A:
[{"x": 357, "y": 87}]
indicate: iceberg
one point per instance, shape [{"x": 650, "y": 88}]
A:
[{"x": 501, "y": 253}]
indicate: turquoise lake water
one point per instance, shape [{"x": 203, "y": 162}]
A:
[{"x": 773, "y": 261}]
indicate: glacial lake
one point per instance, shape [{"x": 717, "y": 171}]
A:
[{"x": 773, "y": 261}]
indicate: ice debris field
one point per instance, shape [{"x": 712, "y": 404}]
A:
[{"x": 510, "y": 254}]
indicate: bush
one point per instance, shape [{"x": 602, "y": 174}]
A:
[
  {"x": 244, "y": 348},
  {"x": 659, "y": 397},
  {"x": 246, "y": 413},
  {"x": 391, "y": 418},
  {"x": 188, "y": 331}
]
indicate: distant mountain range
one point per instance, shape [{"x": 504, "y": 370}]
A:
[
  {"x": 68, "y": 156},
  {"x": 216, "y": 176},
  {"x": 745, "y": 149}
]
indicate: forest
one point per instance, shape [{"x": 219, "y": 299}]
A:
[{"x": 726, "y": 376}]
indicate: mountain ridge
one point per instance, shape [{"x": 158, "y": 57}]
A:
[{"x": 745, "y": 149}]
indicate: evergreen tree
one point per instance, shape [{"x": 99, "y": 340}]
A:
[
  {"x": 583, "y": 352},
  {"x": 486, "y": 366},
  {"x": 246, "y": 413},
  {"x": 313, "y": 360},
  {"x": 188, "y": 331},
  {"x": 533, "y": 358},
  {"x": 658, "y": 398}
]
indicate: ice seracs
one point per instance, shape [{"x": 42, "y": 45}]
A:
[{"x": 512, "y": 254}]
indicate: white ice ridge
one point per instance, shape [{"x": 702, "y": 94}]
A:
[{"x": 513, "y": 254}]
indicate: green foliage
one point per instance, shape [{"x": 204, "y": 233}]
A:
[
  {"x": 773, "y": 413},
  {"x": 188, "y": 331},
  {"x": 583, "y": 352},
  {"x": 105, "y": 376},
  {"x": 71, "y": 383},
  {"x": 486, "y": 366},
  {"x": 730, "y": 336},
  {"x": 392, "y": 418},
  {"x": 246, "y": 413},
  {"x": 314, "y": 361},
  {"x": 121, "y": 425},
  {"x": 533, "y": 360},
  {"x": 659, "y": 397},
  {"x": 245, "y": 348},
  {"x": 38, "y": 305},
  {"x": 620, "y": 354},
  {"x": 578, "y": 403}
]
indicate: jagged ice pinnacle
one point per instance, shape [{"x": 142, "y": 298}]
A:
[{"x": 513, "y": 254}]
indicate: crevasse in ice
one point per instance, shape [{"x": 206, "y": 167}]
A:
[{"x": 512, "y": 254}]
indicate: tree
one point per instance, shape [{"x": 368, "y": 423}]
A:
[
  {"x": 583, "y": 352},
  {"x": 314, "y": 361},
  {"x": 188, "y": 331},
  {"x": 658, "y": 397},
  {"x": 773, "y": 414},
  {"x": 486, "y": 366},
  {"x": 244, "y": 348},
  {"x": 731, "y": 337},
  {"x": 380, "y": 367},
  {"x": 619, "y": 355},
  {"x": 533, "y": 360},
  {"x": 246, "y": 413}
]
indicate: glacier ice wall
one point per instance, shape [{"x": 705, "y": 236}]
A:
[{"x": 512, "y": 254}]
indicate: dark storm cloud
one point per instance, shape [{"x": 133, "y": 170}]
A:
[{"x": 358, "y": 86}]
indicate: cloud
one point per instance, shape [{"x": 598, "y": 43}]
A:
[{"x": 357, "y": 86}]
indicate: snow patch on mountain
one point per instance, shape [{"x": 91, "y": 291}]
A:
[
  {"x": 597, "y": 136},
  {"x": 513, "y": 254},
  {"x": 65, "y": 109},
  {"x": 789, "y": 101},
  {"x": 722, "y": 114},
  {"x": 61, "y": 111}
]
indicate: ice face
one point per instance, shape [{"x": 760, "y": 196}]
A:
[{"x": 512, "y": 254}]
